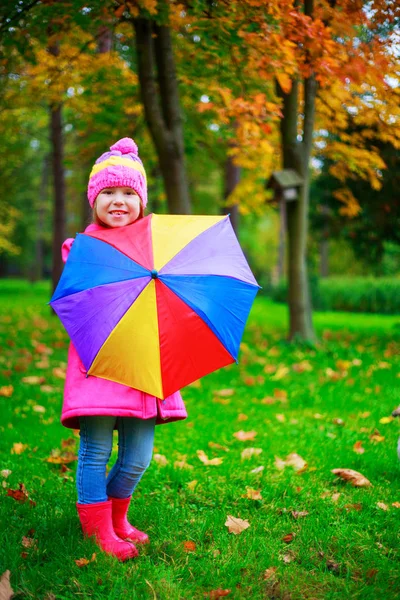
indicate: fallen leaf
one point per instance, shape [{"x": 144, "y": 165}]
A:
[
  {"x": 242, "y": 417},
  {"x": 29, "y": 542},
  {"x": 288, "y": 558},
  {"x": 160, "y": 459},
  {"x": 299, "y": 514},
  {"x": 43, "y": 364},
  {"x": 61, "y": 458},
  {"x": 343, "y": 365},
  {"x": 338, "y": 421},
  {"x": 20, "y": 495},
  {"x": 365, "y": 415},
  {"x": 249, "y": 452},
  {"x": 280, "y": 418},
  {"x": 258, "y": 469},
  {"x": 335, "y": 497},
  {"x": 354, "y": 477},
  {"x": 288, "y": 538},
  {"x": 269, "y": 400},
  {"x": 382, "y": 505},
  {"x": 358, "y": 448},
  {"x": 280, "y": 395},
  {"x": 48, "y": 389},
  {"x": 252, "y": 494},
  {"x": 195, "y": 384},
  {"x": 33, "y": 380},
  {"x": 245, "y": 435},
  {"x": 292, "y": 460},
  {"x": 236, "y": 525},
  {"x": 18, "y": 448},
  {"x": 225, "y": 393},
  {"x": 281, "y": 372},
  {"x": 269, "y": 573},
  {"x": 386, "y": 420},
  {"x": 192, "y": 484},
  {"x": 302, "y": 366},
  {"x": 396, "y": 504},
  {"x": 376, "y": 437},
  {"x": 6, "y": 391},
  {"x": 82, "y": 562},
  {"x": 356, "y": 506},
  {"x": 189, "y": 546},
  {"x": 218, "y": 593},
  {"x": 182, "y": 464},
  {"x": 6, "y": 591},
  {"x": 38, "y": 408},
  {"x": 5, "y": 472},
  {"x": 217, "y": 446},
  {"x": 59, "y": 372},
  {"x": 208, "y": 462}
]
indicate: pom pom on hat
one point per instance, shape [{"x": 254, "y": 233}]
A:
[
  {"x": 125, "y": 146},
  {"x": 120, "y": 167}
]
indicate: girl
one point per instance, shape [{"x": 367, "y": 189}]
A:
[{"x": 117, "y": 193}]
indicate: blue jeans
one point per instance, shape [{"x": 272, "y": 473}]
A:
[{"x": 135, "y": 448}]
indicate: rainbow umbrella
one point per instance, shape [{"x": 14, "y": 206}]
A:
[{"x": 157, "y": 304}]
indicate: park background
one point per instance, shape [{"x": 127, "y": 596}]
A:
[{"x": 221, "y": 97}]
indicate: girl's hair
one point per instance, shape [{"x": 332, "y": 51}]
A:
[{"x": 97, "y": 221}]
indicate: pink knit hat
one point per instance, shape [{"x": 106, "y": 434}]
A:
[{"x": 121, "y": 167}]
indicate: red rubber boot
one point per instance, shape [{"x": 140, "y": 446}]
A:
[
  {"x": 96, "y": 520},
  {"x": 122, "y": 527}
]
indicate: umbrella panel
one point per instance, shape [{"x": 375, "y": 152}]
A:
[
  {"x": 222, "y": 302},
  {"x": 132, "y": 240},
  {"x": 90, "y": 316},
  {"x": 130, "y": 355},
  {"x": 189, "y": 349},
  {"x": 171, "y": 233}
]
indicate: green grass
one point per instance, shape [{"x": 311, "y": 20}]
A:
[{"x": 346, "y": 547}]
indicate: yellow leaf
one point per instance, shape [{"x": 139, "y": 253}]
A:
[
  {"x": 6, "y": 391},
  {"x": 18, "y": 448},
  {"x": 386, "y": 420},
  {"x": 284, "y": 81},
  {"x": 208, "y": 462},
  {"x": 252, "y": 494}
]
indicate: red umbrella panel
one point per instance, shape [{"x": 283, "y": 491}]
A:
[{"x": 157, "y": 304}]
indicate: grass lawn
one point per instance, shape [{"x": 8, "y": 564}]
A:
[{"x": 311, "y": 535}]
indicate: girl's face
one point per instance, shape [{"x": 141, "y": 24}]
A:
[{"x": 117, "y": 206}]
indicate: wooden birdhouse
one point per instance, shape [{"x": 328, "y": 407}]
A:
[{"x": 285, "y": 184}]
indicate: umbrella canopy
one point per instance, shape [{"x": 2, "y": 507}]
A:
[{"x": 157, "y": 304}]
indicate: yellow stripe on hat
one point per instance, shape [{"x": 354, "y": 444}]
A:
[
  {"x": 118, "y": 161},
  {"x": 131, "y": 353},
  {"x": 171, "y": 233}
]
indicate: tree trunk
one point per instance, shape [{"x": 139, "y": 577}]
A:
[
  {"x": 232, "y": 178},
  {"x": 57, "y": 144},
  {"x": 296, "y": 156},
  {"x": 282, "y": 239},
  {"x": 324, "y": 244},
  {"x": 159, "y": 92}
]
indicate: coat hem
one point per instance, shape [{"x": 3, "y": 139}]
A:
[{"x": 70, "y": 419}]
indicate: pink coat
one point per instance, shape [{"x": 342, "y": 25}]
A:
[{"x": 94, "y": 396}]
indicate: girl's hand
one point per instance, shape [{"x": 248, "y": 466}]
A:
[{"x": 66, "y": 247}]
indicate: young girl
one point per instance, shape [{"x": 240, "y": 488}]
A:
[{"x": 117, "y": 192}]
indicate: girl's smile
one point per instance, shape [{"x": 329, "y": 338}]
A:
[{"x": 117, "y": 206}]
